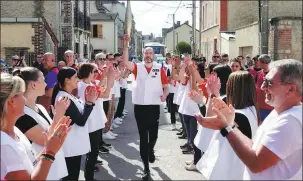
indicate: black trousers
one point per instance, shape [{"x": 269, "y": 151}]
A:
[
  {"x": 73, "y": 167},
  {"x": 121, "y": 103},
  {"x": 198, "y": 152},
  {"x": 92, "y": 156},
  {"x": 147, "y": 117},
  {"x": 105, "y": 106},
  {"x": 172, "y": 108}
]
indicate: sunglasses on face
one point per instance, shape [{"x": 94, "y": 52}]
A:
[
  {"x": 216, "y": 56},
  {"x": 101, "y": 59},
  {"x": 95, "y": 71},
  {"x": 15, "y": 59}
]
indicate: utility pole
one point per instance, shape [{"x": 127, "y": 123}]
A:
[
  {"x": 194, "y": 29},
  {"x": 200, "y": 28},
  {"x": 174, "y": 45},
  {"x": 264, "y": 25}
]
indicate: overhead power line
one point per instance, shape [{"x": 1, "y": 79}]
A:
[
  {"x": 164, "y": 6},
  {"x": 178, "y": 7}
]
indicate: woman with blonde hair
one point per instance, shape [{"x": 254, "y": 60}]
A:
[{"x": 18, "y": 160}]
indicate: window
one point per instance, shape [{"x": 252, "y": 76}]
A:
[
  {"x": 215, "y": 45},
  {"x": 97, "y": 31}
]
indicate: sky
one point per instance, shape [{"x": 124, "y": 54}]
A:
[{"x": 152, "y": 16}]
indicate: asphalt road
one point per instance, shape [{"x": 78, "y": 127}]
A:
[{"x": 124, "y": 162}]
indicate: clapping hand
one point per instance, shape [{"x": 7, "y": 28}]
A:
[
  {"x": 61, "y": 105},
  {"x": 224, "y": 117},
  {"x": 213, "y": 85},
  {"x": 91, "y": 95},
  {"x": 196, "y": 96},
  {"x": 54, "y": 140}
]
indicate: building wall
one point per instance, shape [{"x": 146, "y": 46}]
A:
[
  {"x": 16, "y": 35},
  {"x": 247, "y": 39},
  {"x": 285, "y": 39},
  {"x": 208, "y": 42},
  {"x": 26, "y": 9},
  {"x": 183, "y": 33},
  {"x": 106, "y": 43},
  {"x": 242, "y": 13},
  {"x": 229, "y": 46}
]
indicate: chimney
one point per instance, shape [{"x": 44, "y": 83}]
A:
[
  {"x": 178, "y": 23},
  {"x": 186, "y": 22},
  {"x": 123, "y": 3}
]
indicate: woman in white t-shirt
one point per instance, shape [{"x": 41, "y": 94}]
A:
[
  {"x": 36, "y": 119},
  {"x": 18, "y": 161},
  {"x": 87, "y": 72},
  {"x": 77, "y": 142},
  {"x": 241, "y": 93}
]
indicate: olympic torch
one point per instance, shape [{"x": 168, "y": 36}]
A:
[{"x": 128, "y": 20}]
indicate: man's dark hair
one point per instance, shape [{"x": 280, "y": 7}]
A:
[
  {"x": 109, "y": 54},
  {"x": 225, "y": 55},
  {"x": 117, "y": 55},
  {"x": 167, "y": 55},
  {"x": 240, "y": 56}
]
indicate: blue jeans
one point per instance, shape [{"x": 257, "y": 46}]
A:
[
  {"x": 264, "y": 113},
  {"x": 190, "y": 124}
]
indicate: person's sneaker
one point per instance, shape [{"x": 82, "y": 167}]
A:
[
  {"x": 117, "y": 121},
  {"x": 173, "y": 127},
  {"x": 108, "y": 136},
  {"x": 125, "y": 111},
  {"x": 191, "y": 167},
  {"x": 114, "y": 126},
  {"x": 184, "y": 146},
  {"x": 152, "y": 157},
  {"x": 146, "y": 176},
  {"x": 106, "y": 144},
  {"x": 96, "y": 169},
  {"x": 99, "y": 162},
  {"x": 182, "y": 136},
  {"x": 113, "y": 134},
  {"x": 103, "y": 150},
  {"x": 189, "y": 162},
  {"x": 179, "y": 133},
  {"x": 189, "y": 150}
]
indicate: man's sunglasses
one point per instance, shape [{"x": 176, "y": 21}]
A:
[
  {"x": 101, "y": 58},
  {"x": 216, "y": 56}
]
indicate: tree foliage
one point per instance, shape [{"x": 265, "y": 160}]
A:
[{"x": 183, "y": 47}]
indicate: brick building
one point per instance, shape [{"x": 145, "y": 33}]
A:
[{"x": 243, "y": 19}]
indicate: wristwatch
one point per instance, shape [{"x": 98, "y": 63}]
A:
[{"x": 225, "y": 131}]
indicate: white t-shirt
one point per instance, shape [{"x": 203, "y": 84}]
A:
[
  {"x": 117, "y": 89},
  {"x": 181, "y": 89},
  {"x": 112, "y": 92},
  {"x": 188, "y": 106},
  {"x": 94, "y": 121},
  {"x": 281, "y": 134},
  {"x": 16, "y": 155},
  {"x": 176, "y": 93}
]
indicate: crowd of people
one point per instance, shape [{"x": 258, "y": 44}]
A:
[{"x": 241, "y": 118}]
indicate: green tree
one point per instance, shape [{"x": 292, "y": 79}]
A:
[{"x": 183, "y": 47}]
